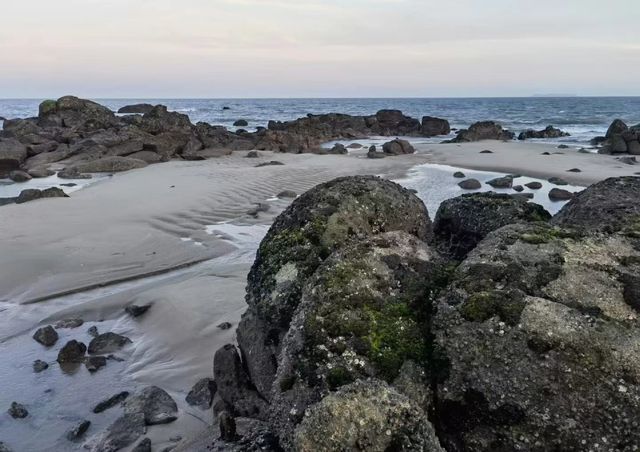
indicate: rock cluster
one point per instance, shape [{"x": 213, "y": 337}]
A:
[
  {"x": 503, "y": 331},
  {"x": 483, "y": 130},
  {"x": 547, "y": 132},
  {"x": 620, "y": 139}
]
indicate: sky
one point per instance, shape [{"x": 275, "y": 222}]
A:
[{"x": 318, "y": 48}]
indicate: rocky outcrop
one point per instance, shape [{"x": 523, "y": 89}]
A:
[
  {"x": 484, "y": 130},
  {"x": 12, "y": 155},
  {"x": 110, "y": 165},
  {"x": 432, "y": 127},
  {"x": 462, "y": 222},
  {"x": 547, "y": 132},
  {"x": 362, "y": 335},
  {"x": 620, "y": 139},
  {"x": 154, "y": 404},
  {"x": 31, "y": 194}
]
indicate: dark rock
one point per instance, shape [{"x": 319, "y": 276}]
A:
[
  {"x": 19, "y": 176},
  {"x": 159, "y": 120},
  {"x": 393, "y": 122},
  {"x": 46, "y": 336},
  {"x": 373, "y": 154},
  {"x": 225, "y": 326},
  {"x": 241, "y": 123},
  {"x": 136, "y": 108},
  {"x": 39, "y": 366},
  {"x": 109, "y": 165},
  {"x": 518, "y": 188},
  {"x": 372, "y": 148},
  {"x": 501, "y": 182},
  {"x": 486, "y": 151},
  {"x": 558, "y": 181},
  {"x": 75, "y": 113},
  {"x": 107, "y": 343},
  {"x": 610, "y": 205},
  {"x": 314, "y": 225},
  {"x": 122, "y": 433},
  {"x": 432, "y": 127},
  {"x": 548, "y": 132},
  {"x": 17, "y": 411},
  {"x": 93, "y": 331},
  {"x": 271, "y": 163},
  {"x": 470, "y": 184},
  {"x": 558, "y": 194},
  {"x": 226, "y": 108},
  {"x": 31, "y": 194},
  {"x": 69, "y": 323},
  {"x": 111, "y": 402},
  {"x": 563, "y": 146},
  {"x": 72, "y": 352},
  {"x": 78, "y": 431},
  {"x": 201, "y": 395},
  {"x": 534, "y": 185},
  {"x": 95, "y": 363},
  {"x": 253, "y": 154},
  {"x": 355, "y": 146},
  {"x": 366, "y": 416},
  {"x": 617, "y": 127},
  {"x": 459, "y": 175},
  {"x": 398, "y": 147},
  {"x": 574, "y": 170},
  {"x": 287, "y": 194},
  {"x": 616, "y": 145},
  {"x": 522, "y": 196},
  {"x": 628, "y": 160},
  {"x": 146, "y": 156},
  {"x": 227, "y": 427},
  {"x": 338, "y": 149},
  {"x": 12, "y": 154},
  {"x": 546, "y": 153},
  {"x": 72, "y": 173},
  {"x": 484, "y": 130},
  {"x": 233, "y": 384},
  {"x": 529, "y": 301},
  {"x": 143, "y": 446},
  {"x": 136, "y": 311},
  {"x": 4, "y": 447},
  {"x": 154, "y": 404},
  {"x": 462, "y": 222}
]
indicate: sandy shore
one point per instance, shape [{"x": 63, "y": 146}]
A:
[
  {"x": 527, "y": 158},
  {"x": 85, "y": 256}
]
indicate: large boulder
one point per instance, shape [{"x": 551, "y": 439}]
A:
[
  {"x": 154, "y": 403},
  {"x": 538, "y": 338},
  {"x": 398, "y": 147},
  {"x": 394, "y": 122},
  {"x": 159, "y": 120},
  {"x": 367, "y": 416},
  {"x": 547, "y": 132},
  {"x": 484, "y": 130},
  {"x": 607, "y": 206},
  {"x": 12, "y": 155},
  {"x": 136, "y": 108},
  {"x": 72, "y": 112},
  {"x": 462, "y": 222},
  {"x": 432, "y": 127},
  {"x": 302, "y": 237},
  {"x": 617, "y": 127}
]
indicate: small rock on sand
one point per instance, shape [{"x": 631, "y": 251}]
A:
[
  {"x": 69, "y": 323},
  {"x": 271, "y": 163},
  {"x": 459, "y": 175},
  {"x": 470, "y": 184},
  {"x": 154, "y": 404},
  {"x": 574, "y": 170},
  {"x": 17, "y": 411},
  {"x": 252, "y": 154},
  {"x": 486, "y": 151},
  {"x": 46, "y": 336},
  {"x": 111, "y": 402},
  {"x": 78, "y": 431},
  {"x": 107, "y": 343},
  {"x": 72, "y": 352},
  {"x": 39, "y": 366},
  {"x": 501, "y": 182},
  {"x": 136, "y": 311},
  {"x": 225, "y": 325},
  {"x": 518, "y": 188}
]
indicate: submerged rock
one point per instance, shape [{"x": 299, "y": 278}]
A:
[
  {"x": 136, "y": 311},
  {"x": 78, "y": 431},
  {"x": 462, "y": 222},
  {"x": 46, "y": 336},
  {"x": 111, "y": 402},
  {"x": 122, "y": 433},
  {"x": 107, "y": 343},
  {"x": 95, "y": 363},
  {"x": 17, "y": 411},
  {"x": 501, "y": 182},
  {"x": 156, "y": 406},
  {"x": 69, "y": 323},
  {"x": 39, "y": 366}
]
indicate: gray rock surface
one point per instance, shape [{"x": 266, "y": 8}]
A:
[
  {"x": 202, "y": 393},
  {"x": 156, "y": 406},
  {"x": 46, "y": 336},
  {"x": 107, "y": 343}
]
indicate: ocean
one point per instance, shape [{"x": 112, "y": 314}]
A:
[{"x": 583, "y": 117}]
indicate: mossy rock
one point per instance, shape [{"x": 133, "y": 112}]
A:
[{"x": 47, "y": 107}]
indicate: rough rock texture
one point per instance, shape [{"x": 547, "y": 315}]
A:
[
  {"x": 46, "y": 336},
  {"x": 31, "y": 194},
  {"x": 122, "y": 433},
  {"x": 462, "y": 222},
  {"x": 12, "y": 155},
  {"x": 136, "y": 108},
  {"x": 156, "y": 406},
  {"x": 470, "y": 184},
  {"x": 398, "y": 147},
  {"x": 72, "y": 352},
  {"x": 432, "y": 127},
  {"x": 201, "y": 395},
  {"x": 537, "y": 344},
  {"x": 78, "y": 431},
  {"x": 107, "y": 343},
  {"x": 484, "y": 130},
  {"x": 111, "y": 402},
  {"x": 306, "y": 233},
  {"x": 501, "y": 182},
  {"x": 547, "y": 132},
  {"x": 608, "y": 206},
  {"x": 620, "y": 139},
  {"x": 17, "y": 411},
  {"x": 39, "y": 366},
  {"x": 558, "y": 194},
  {"x": 367, "y": 416},
  {"x": 110, "y": 165},
  {"x": 143, "y": 446}
]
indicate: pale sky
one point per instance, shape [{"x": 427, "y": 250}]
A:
[{"x": 318, "y": 48}]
